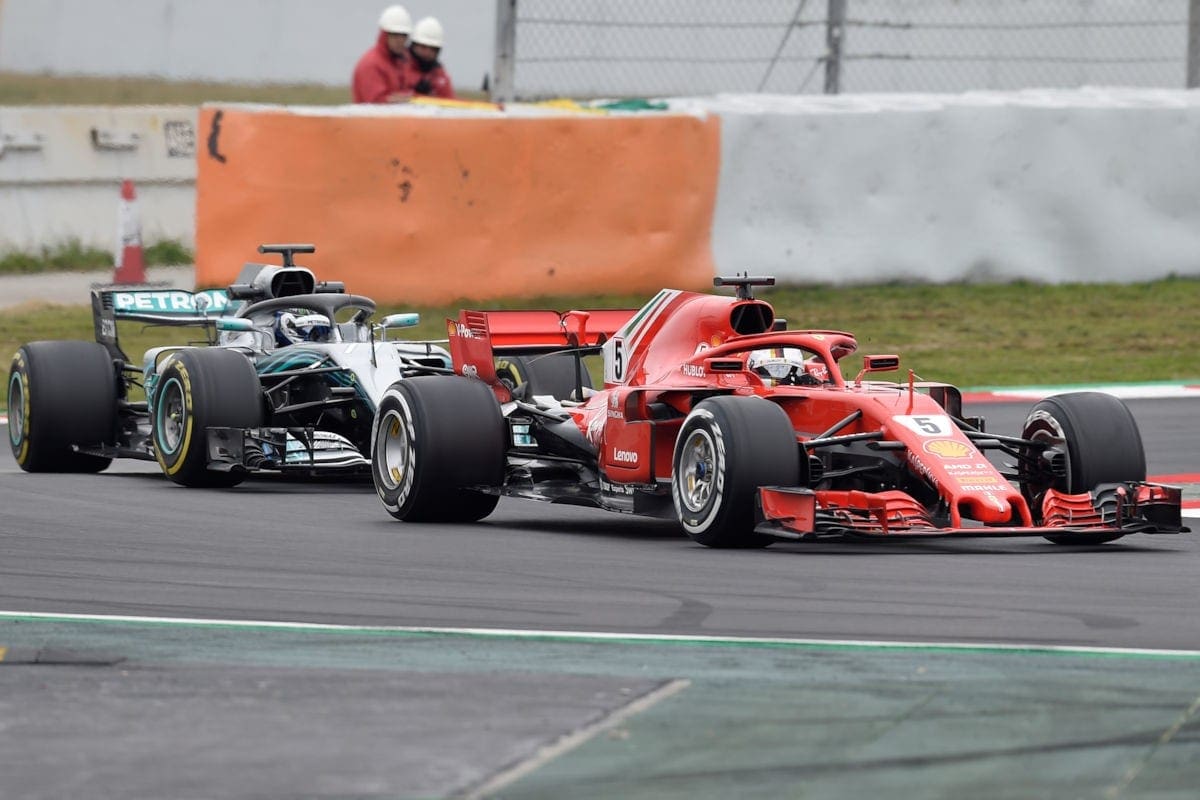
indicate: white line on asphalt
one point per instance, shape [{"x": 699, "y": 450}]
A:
[
  {"x": 582, "y": 636},
  {"x": 570, "y": 741},
  {"x": 1125, "y": 391}
]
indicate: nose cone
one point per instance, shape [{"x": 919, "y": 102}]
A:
[{"x": 993, "y": 507}]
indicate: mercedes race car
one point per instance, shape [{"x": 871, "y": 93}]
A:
[
  {"x": 289, "y": 380},
  {"x": 715, "y": 414}
]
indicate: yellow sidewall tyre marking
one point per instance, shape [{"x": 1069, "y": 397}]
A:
[{"x": 180, "y": 454}]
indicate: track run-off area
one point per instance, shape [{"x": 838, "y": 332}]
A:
[{"x": 289, "y": 639}]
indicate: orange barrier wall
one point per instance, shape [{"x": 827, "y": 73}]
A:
[{"x": 432, "y": 209}]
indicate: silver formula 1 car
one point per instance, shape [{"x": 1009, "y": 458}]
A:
[{"x": 289, "y": 380}]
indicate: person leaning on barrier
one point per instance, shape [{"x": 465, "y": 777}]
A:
[
  {"x": 380, "y": 75},
  {"x": 425, "y": 74}
]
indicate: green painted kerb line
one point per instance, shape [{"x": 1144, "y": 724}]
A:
[{"x": 594, "y": 637}]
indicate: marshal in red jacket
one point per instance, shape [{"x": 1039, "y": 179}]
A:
[{"x": 380, "y": 74}]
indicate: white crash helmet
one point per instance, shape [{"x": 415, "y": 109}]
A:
[
  {"x": 296, "y": 327},
  {"x": 395, "y": 19},
  {"x": 428, "y": 32},
  {"x": 790, "y": 368},
  {"x": 766, "y": 364}
]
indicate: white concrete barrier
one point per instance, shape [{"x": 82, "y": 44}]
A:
[
  {"x": 1086, "y": 185},
  {"x": 61, "y": 170}
]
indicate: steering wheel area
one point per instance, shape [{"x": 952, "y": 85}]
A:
[{"x": 799, "y": 377}]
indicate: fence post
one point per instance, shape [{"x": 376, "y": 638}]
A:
[
  {"x": 1193, "y": 45},
  {"x": 835, "y": 28},
  {"x": 504, "y": 65}
]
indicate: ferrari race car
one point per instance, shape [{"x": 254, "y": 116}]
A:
[
  {"x": 281, "y": 385},
  {"x": 716, "y": 415}
]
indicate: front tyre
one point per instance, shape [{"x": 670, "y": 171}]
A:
[
  {"x": 436, "y": 439},
  {"x": 199, "y": 389},
  {"x": 727, "y": 448},
  {"x": 61, "y": 394},
  {"x": 1096, "y": 440}
]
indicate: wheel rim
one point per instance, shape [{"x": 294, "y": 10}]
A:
[
  {"x": 171, "y": 419},
  {"x": 16, "y": 409},
  {"x": 1046, "y": 428},
  {"x": 395, "y": 449},
  {"x": 697, "y": 471}
]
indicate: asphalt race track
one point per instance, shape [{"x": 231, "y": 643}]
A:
[{"x": 597, "y": 674}]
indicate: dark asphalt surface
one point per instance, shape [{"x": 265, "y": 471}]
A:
[{"x": 163, "y": 711}]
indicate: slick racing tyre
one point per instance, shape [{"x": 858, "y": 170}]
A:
[
  {"x": 552, "y": 374},
  {"x": 727, "y": 448},
  {"x": 198, "y": 389},
  {"x": 1100, "y": 442},
  {"x": 436, "y": 437},
  {"x": 61, "y": 394}
]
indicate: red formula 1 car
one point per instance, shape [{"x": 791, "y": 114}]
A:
[{"x": 715, "y": 414}]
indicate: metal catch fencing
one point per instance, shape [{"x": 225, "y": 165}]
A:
[{"x": 647, "y": 48}]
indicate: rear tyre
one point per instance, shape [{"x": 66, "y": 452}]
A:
[
  {"x": 61, "y": 394},
  {"x": 1100, "y": 442},
  {"x": 552, "y": 374},
  {"x": 727, "y": 448},
  {"x": 436, "y": 438},
  {"x": 200, "y": 389}
]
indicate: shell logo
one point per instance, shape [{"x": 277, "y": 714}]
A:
[
  {"x": 450, "y": 328},
  {"x": 947, "y": 448}
]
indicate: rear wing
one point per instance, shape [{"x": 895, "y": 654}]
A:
[
  {"x": 175, "y": 307},
  {"x": 477, "y": 336}
]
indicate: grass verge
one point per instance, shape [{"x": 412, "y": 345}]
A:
[
  {"x": 72, "y": 256},
  {"x": 969, "y": 335},
  {"x": 18, "y": 89}
]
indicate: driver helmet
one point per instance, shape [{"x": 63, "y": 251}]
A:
[
  {"x": 294, "y": 327},
  {"x": 787, "y": 366},
  {"x": 768, "y": 364}
]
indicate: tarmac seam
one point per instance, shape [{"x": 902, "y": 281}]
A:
[
  {"x": 570, "y": 741},
  {"x": 993, "y": 648},
  {"x": 1134, "y": 770}
]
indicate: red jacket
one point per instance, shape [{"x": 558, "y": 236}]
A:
[
  {"x": 379, "y": 74},
  {"x": 435, "y": 82}
]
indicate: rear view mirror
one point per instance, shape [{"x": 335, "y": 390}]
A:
[
  {"x": 877, "y": 364},
  {"x": 405, "y": 320},
  {"x": 880, "y": 363},
  {"x": 234, "y": 324}
]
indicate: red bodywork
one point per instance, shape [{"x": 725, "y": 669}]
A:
[{"x": 682, "y": 347}]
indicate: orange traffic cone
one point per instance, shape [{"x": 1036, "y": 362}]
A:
[{"x": 130, "y": 263}]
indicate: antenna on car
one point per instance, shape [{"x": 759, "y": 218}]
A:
[
  {"x": 288, "y": 251},
  {"x": 743, "y": 283}
]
